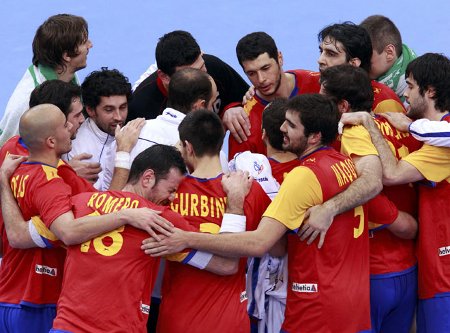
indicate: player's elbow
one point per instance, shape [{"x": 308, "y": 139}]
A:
[
  {"x": 68, "y": 238},
  {"x": 405, "y": 226}
]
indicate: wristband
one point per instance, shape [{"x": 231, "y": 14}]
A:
[
  {"x": 233, "y": 223},
  {"x": 35, "y": 235},
  {"x": 123, "y": 160},
  {"x": 199, "y": 260}
]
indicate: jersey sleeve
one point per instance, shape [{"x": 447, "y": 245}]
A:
[
  {"x": 70, "y": 177},
  {"x": 432, "y": 162},
  {"x": 434, "y": 133},
  {"x": 53, "y": 200},
  {"x": 356, "y": 141},
  {"x": 255, "y": 204},
  {"x": 290, "y": 205},
  {"x": 382, "y": 212}
]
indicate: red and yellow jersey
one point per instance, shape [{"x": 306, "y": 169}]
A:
[
  {"x": 108, "y": 279},
  {"x": 385, "y": 99},
  {"x": 388, "y": 253},
  {"x": 196, "y": 300},
  {"x": 332, "y": 282},
  {"x": 433, "y": 250},
  {"x": 33, "y": 277},
  {"x": 281, "y": 169},
  {"x": 305, "y": 82}
]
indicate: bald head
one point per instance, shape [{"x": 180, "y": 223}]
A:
[{"x": 39, "y": 123}]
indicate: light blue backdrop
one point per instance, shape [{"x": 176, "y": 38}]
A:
[{"x": 124, "y": 33}]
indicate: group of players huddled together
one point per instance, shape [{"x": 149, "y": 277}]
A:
[{"x": 122, "y": 213}]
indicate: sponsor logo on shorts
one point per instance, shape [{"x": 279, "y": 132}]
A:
[
  {"x": 243, "y": 296},
  {"x": 304, "y": 287},
  {"x": 41, "y": 269},
  {"x": 145, "y": 308},
  {"x": 444, "y": 251}
]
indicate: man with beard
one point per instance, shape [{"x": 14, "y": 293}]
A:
[
  {"x": 105, "y": 95},
  {"x": 428, "y": 94},
  {"x": 263, "y": 64},
  {"x": 319, "y": 296}
]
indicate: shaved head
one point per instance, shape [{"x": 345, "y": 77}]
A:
[{"x": 39, "y": 123}]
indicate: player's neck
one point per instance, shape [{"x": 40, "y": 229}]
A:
[
  {"x": 310, "y": 150},
  {"x": 286, "y": 86},
  {"x": 65, "y": 75},
  {"x": 44, "y": 158},
  {"x": 207, "y": 167},
  {"x": 280, "y": 155}
]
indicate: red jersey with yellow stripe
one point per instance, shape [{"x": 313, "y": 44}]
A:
[
  {"x": 305, "y": 82},
  {"x": 196, "y": 300},
  {"x": 281, "y": 169},
  {"x": 388, "y": 253},
  {"x": 108, "y": 279},
  {"x": 433, "y": 250},
  {"x": 33, "y": 276},
  {"x": 332, "y": 282},
  {"x": 385, "y": 99}
]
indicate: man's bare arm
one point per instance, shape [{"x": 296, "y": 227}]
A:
[{"x": 405, "y": 226}]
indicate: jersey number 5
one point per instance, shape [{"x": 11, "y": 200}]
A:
[{"x": 359, "y": 212}]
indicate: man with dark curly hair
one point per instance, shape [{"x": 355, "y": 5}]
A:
[{"x": 106, "y": 93}]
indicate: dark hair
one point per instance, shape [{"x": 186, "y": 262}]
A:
[
  {"x": 104, "y": 83},
  {"x": 55, "y": 92},
  {"x": 346, "y": 82},
  {"x": 186, "y": 86},
  {"x": 432, "y": 70},
  {"x": 355, "y": 39},
  {"x": 383, "y": 32},
  {"x": 318, "y": 114},
  {"x": 253, "y": 45},
  {"x": 159, "y": 158},
  {"x": 272, "y": 118},
  {"x": 176, "y": 48},
  {"x": 204, "y": 130},
  {"x": 59, "y": 34}
]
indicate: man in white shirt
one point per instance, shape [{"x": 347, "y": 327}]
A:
[{"x": 105, "y": 95}]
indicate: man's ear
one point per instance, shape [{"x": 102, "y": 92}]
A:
[
  {"x": 430, "y": 92},
  {"x": 50, "y": 141},
  {"x": 280, "y": 58},
  {"x": 391, "y": 54},
  {"x": 356, "y": 62},
  {"x": 90, "y": 111},
  {"x": 198, "y": 104},
  {"x": 314, "y": 138},
  {"x": 164, "y": 78},
  {"x": 343, "y": 106},
  {"x": 148, "y": 178}
]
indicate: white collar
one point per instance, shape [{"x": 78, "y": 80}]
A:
[
  {"x": 103, "y": 137},
  {"x": 172, "y": 116}
]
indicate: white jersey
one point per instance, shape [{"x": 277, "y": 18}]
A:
[{"x": 92, "y": 140}]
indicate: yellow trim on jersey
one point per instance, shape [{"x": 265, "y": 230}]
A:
[
  {"x": 249, "y": 105},
  {"x": 50, "y": 172},
  {"x": 432, "y": 162},
  {"x": 300, "y": 190},
  {"x": 208, "y": 227},
  {"x": 388, "y": 105},
  {"x": 176, "y": 256},
  {"x": 42, "y": 229},
  {"x": 60, "y": 162},
  {"x": 356, "y": 141}
]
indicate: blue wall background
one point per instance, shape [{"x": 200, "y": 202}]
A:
[{"x": 124, "y": 33}]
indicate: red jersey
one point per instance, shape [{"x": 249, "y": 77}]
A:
[
  {"x": 108, "y": 280},
  {"x": 305, "y": 82},
  {"x": 433, "y": 250},
  {"x": 332, "y": 282},
  {"x": 385, "y": 99},
  {"x": 281, "y": 169},
  {"x": 196, "y": 300},
  {"x": 33, "y": 276}
]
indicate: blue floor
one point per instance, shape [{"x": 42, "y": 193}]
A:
[{"x": 124, "y": 34}]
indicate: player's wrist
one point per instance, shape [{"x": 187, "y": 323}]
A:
[{"x": 122, "y": 160}]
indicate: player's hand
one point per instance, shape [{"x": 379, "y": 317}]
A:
[
  {"x": 10, "y": 164},
  {"x": 237, "y": 121},
  {"x": 127, "y": 136},
  {"x": 236, "y": 185},
  {"x": 399, "y": 120},
  {"x": 355, "y": 118},
  {"x": 317, "y": 221},
  {"x": 248, "y": 95},
  {"x": 148, "y": 220},
  {"x": 175, "y": 243},
  {"x": 86, "y": 170}
]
